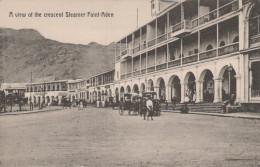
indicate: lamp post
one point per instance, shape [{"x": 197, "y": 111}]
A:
[{"x": 230, "y": 69}]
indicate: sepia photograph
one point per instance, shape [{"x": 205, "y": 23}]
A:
[{"x": 129, "y": 83}]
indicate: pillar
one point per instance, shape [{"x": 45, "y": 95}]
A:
[
  {"x": 238, "y": 88},
  {"x": 167, "y": 94},
  {"x": 217, "y": 90},
  {"x": 199, "y": 91},
  {"x": 183, "y": 88}
]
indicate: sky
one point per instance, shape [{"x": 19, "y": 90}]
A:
[{"x": 77, "y": 30}]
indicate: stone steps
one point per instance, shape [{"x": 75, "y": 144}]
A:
[{"x": 198, "y": 107}]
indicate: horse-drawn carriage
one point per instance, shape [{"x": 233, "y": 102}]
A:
[{"x": 129, "y": 102}]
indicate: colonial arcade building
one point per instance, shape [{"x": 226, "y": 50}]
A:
[
  {"x": 100, "y": 86},
  {"x": 47, "y": 90},
  {"x": 192, "y": 47}
]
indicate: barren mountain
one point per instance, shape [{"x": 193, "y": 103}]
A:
[{"x": 26, "y": 50}]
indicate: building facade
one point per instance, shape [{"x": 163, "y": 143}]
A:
[
  {"x": 192, "y": 47},
  {"x": 100, "y": 86},
  {"x": 51, "y": 91}
]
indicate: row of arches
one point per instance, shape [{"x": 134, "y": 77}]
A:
[
  {"x": 102, "y": 95},
  {"x": 200, "y": 89}
]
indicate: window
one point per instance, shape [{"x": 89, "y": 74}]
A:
[
  {"x": 209, "y": 47},
  {"x": 222, "y": 43},
  {"x": 236, "y": 39}
]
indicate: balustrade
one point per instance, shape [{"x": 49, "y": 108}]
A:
[
  {"x": 228, "y": 8},
  {"x": 152, "y": 43},
  {"x": 234, "y": 47},
  {"x": 190, "y": 59},
  {"x": 136, "y": 73},
  {"x": 208, "y": 17},
  {"x": 208, "y": 54},
  {"x": 162, "y": 38},
  {"x": 174, "y": 63},
  {"x": 143, "y": 71},
  {"x": 255, "y": 39},
  {"x": 161, "y": 66},
  {"x": 151, "y": 69}
]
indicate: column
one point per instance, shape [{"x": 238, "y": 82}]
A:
[
  {"x": 238, "y": 88},
  {"x": 217, "y": 90},
  {"x": 199, "y": 91},
  {"x": 167, "y": 90},
  {"x": 183, "y": 88}
]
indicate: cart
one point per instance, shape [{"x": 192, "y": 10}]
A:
[{"x": 128, "y": 103}]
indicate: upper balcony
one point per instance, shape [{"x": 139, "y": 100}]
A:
[
  {"x": 126, "y": 54},
  {"x": 181, "y": 28}
]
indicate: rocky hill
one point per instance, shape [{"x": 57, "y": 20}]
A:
[{"x": 26, "y": 50}]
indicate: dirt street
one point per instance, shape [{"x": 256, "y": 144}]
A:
[{"x": 101, "y": 137}]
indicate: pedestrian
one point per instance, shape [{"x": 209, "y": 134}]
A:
[
  {"x": 149, "y": 105},
  {"x": 173, "y": 102},
  {"x": 80, "y": 106}
]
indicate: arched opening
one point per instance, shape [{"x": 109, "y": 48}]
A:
[
  {"x": 222, "y": 43},
  {"x": 135, "y": 89},
  {"x": 175, "y": 91},
  {"x": 142, "y": 88},
  {"x": 117, "y": 94},
  {"x": 150, "y": 85},
  {"x": 99, "y": 95},
  {"x": 128, "y": 89},
  {"x": 208, "y": 86},
  {"x": 226, "y": 92},
  {"x": 39, "y": 100},
  {"x": 190, "y": 87},
  {"x": 209, "y": 47},
  {"x": 236, "y": 39},
  {"x": 48, "y": 99},
  {"x": 122, "y": 91},
  {"x": 160, "y": 84}
]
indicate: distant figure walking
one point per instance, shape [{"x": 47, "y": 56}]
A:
[
  {"x": 80, "y": 106},
  {"x": 149, "y": 105}
]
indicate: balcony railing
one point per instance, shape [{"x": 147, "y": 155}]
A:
[
  {"x": 143, "y": 46},
  {"x": 234, "y": 47},
  {"x": 190, "y": 59},
  {"x": 143, "y": 71},
  {"x": 137, "y": 49},
  {"x": 136, "y": 73},
  {"x": 151, "y": 69},
  {"x": 122, "y": 76},
  {"x": 129, "y": 75},
  {"x": 174, "y": 63},
  {"x": 162, "y": 38},
  {"x": 185, "y": 25},
  {"x": 161, "y": 67},
  {"x": 255, "y": 93},
  {"x": 208, "y": 17},
  {"x": 255, "y": 39},
  {"x": 124, "y": 52},
  {"x": 208, "y": 54},
  {"x": 228, "y": 8},
  {"x": 152, "y": 43},
  {"x": 195, "y": 23},
  {"x": 127, "y": 53}
]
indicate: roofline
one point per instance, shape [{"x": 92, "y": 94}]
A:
[
  {"x": 101, "y": 73},
  {"x": 153, "y": 19}
]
